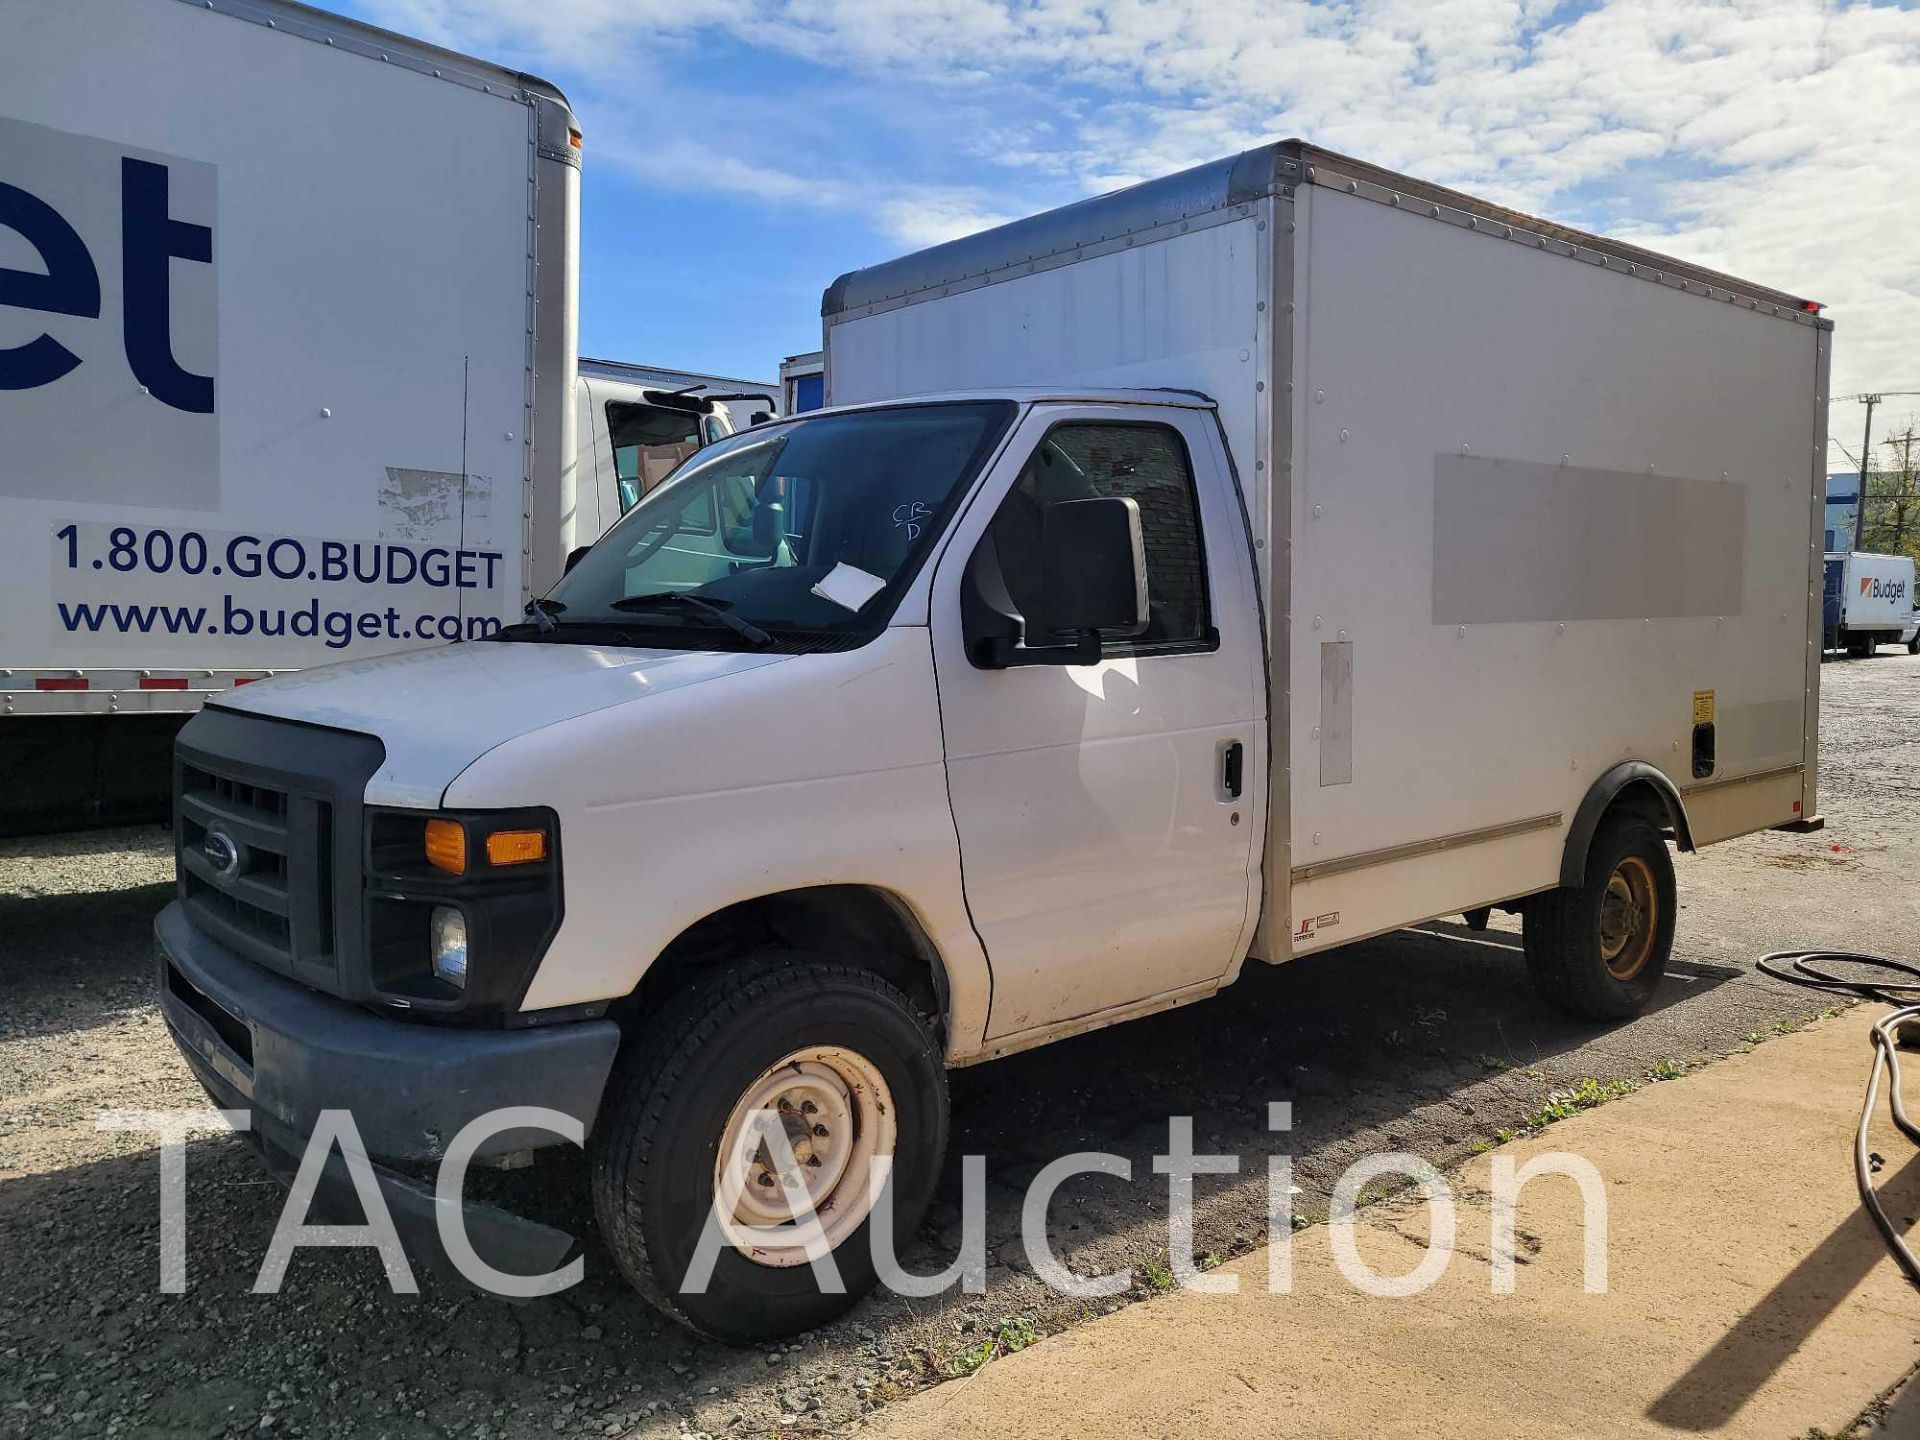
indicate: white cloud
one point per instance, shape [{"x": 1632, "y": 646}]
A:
[
  {"x": 930, "y": 217},
  {"x": 1774, "y": 139}
]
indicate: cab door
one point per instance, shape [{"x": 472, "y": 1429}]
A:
[{"x": 1107, "y": 812}]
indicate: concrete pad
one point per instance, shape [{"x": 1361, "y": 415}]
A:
[{"x": 1747, "y": 1294}]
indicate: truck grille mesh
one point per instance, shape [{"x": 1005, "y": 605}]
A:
[{"x": 260, "y": 900}]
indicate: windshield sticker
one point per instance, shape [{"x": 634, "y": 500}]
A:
[{"x": 849, "y": 587}]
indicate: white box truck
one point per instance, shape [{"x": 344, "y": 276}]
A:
[
  {"x": 288, "y": 317},
  {"x": 1875, "y": 601},
  {"x": 1226, "y": 569}
]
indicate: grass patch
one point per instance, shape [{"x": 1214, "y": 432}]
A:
[
  {"x": 1157, "y": 1275},
  {"x": 1560, "y": 1104},
  {"x": 1012, "y": 1336}
]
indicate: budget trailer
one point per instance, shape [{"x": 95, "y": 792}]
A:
[{"x": 1232, "y": 567}]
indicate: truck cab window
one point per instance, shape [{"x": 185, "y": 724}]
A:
[
  {"x": 1144, "y": 463},
  {"x": 752, "y": 526},
  {"x": 649, "y": 442}
]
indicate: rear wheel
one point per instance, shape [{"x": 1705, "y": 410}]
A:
[
  {"x": 769, "y": 1086},
  {"x": 1598, "y": 951}
]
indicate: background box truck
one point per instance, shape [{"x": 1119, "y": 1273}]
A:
[
  {"x": 1232, "y": 567},
  {"x": 288, "y": 317},
  {"x": 1870, "y": 601},
  {"x": 638, "y": 423}
]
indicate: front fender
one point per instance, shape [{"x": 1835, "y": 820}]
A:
[{"x": 821, "y": 770}]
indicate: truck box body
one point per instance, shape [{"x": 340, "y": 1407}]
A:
[
  {"x": 299, "y": 380},
  {"x": 1526, "y": 504}
]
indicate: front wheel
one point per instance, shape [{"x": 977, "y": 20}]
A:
[
  {"x": 1598, "y": 951},
  {"x": 755, "y": 1102}
]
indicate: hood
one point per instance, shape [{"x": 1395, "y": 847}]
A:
[{"x": 439, "y": 710}]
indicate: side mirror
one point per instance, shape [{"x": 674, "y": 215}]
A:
[
  {"x": 1094, "y": 579},
  {"x": 769, "y": 526},
  {"x": 574, "y": 557},
  {"x": 1095, "y": 567}
]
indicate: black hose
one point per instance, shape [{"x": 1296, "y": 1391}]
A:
[{"x": 1812, "y": 969}]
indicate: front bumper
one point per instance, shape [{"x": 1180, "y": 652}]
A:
[{"x": 270, "y": 1046}]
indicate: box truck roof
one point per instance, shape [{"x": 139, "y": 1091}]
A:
[
  {"x": 1218, "y": 192},
  {"x": 357, "y": 37}
]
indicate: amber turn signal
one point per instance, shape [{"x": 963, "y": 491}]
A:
[
  {"x": 447, "y": 846},
  {"x": 516, "y": 847}
]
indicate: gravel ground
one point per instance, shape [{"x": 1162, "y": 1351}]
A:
[{"x": 1427, "y": 1041}]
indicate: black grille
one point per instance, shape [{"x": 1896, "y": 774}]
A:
[
  {"x": 259, "y": 835},
  {"x": 261, "y": 897}
]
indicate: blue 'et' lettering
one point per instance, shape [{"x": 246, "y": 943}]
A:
[
  {"x": 71, "y": 286},
  {"x": 150, "y": 240}
]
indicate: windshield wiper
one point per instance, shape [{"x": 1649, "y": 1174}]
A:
[
  {"x": 705, "y": 609},
  {"x": 543, "y": 612}
]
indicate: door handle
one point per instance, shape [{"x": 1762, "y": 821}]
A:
[{"x": 1232, "y": 768}]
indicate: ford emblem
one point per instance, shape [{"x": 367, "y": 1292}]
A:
[{"x": 221, "y": 852}]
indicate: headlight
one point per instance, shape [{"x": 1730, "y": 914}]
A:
[
  {"x": 460, "y": 907},
  {"x": 450, "y": 945}
]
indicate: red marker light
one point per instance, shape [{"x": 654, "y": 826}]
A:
[{"x": 1812, "y": 307}]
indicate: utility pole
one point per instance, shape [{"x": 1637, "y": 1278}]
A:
[{"x": 1866, "y": 443}]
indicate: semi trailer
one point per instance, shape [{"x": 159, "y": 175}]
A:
[{"x": 1210, "y": 574}]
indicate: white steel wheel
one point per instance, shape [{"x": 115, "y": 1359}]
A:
[
  {"x": 697, "y": 1095},
  {"x": 791, "y": 1177}
]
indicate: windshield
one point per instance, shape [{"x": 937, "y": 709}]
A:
[{"x": 788, "y": 536}]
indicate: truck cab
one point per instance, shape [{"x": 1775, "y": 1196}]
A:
[
  {"x": 636, "y": 424},
  {"x": 1013, "y": 648}
]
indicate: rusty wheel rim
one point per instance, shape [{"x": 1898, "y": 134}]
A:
[{"x": 1629, "y": 918}]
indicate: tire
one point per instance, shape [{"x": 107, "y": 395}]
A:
[
  {"x": 1594, "y": 952},
  {"x": 687, "y": 1074},
  {"x": 1913, "y": 646}
]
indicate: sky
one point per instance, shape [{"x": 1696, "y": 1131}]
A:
[{"x": 740, "y": 154}]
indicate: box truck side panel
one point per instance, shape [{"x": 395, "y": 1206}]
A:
[
  {"x": 290, "y": 413},
  {"x": 1548, "y": 517}
]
